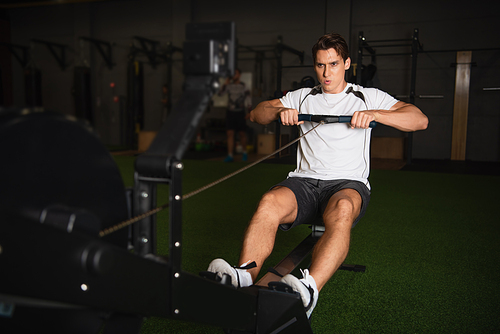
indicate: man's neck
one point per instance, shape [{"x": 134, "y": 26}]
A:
[{"x": 337, "y": 90}]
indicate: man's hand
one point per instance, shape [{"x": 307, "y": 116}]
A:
[
  {"x": 289, "y": 116},
  {"x": 362, "y": 119}
]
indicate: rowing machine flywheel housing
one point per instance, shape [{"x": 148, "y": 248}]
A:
[{"x": 55, "y": 171}]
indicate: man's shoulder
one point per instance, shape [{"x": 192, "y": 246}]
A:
[
  {"x": 300, "y": 91},
  {"x": 375, "y": 97},
  {"x": 367, "y": 90}
]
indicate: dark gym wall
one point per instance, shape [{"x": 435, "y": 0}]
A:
[
  {"x": 443, "y": 25},
  {"x": 116, "y": 22}
]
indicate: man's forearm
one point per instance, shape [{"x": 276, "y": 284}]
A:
[
  {"x": 264, "y": 113},
  {"x": 405, "y": 118}
]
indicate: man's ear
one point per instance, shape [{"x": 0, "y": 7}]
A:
[{"x": 347, "y": 63}]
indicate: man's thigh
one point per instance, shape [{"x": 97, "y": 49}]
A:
[
  {"x": 279, "y": 201},
  {"x": 306, "y": 194}
]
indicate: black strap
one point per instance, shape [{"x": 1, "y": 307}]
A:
[
  {"x": 356, "y": 93},
  {"x": 311, "y": 294},
  {"x": 247, "y": 266},
  {"x": 274, "y": 271}
]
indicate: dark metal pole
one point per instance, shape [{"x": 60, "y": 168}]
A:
[
  {"x": 279, "y": 60},
  {"x": 413, "y": 79},
  {"x": 359, "y": 63},
  {"x": 175, "y": 242},
  {"x": 144, "y": 232}
]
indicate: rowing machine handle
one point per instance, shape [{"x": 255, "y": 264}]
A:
[{"x": 329, "y": 119}]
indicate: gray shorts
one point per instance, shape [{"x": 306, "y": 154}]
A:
[
  {"x": 313, "y": 195},
  {"x": 235, "y": 120}
]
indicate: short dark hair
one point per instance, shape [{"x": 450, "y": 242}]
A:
[{"x": 331, "y": 41}]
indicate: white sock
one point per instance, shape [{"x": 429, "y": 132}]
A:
[
  {"x": 245, "y": 278},
  {"x": 244, "y": 275}
]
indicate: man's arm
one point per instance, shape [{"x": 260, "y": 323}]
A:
[
  {"x": 269, "y": 111},
  {"x": 402, "y": 116},
  {"x": 224, "y": 86}
]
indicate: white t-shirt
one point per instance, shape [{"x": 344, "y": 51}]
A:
[
  {"x": 335, "y": 151},
  {"x": 238, "y": 96}
]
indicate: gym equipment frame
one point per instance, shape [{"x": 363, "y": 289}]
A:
[{"x": 416, "y": 47}]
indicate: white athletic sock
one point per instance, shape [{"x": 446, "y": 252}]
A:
[{"x": 245, "y": 277}]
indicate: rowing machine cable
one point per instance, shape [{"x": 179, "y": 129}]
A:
[{"x": 137, "y": 218}]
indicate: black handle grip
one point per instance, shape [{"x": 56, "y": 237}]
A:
[{"x": 329, "y": 119}]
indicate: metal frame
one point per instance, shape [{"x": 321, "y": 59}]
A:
[
  {"x": 371, "y": 46},
  {"x": 300, "y": 257},
  {"x": 22, "y": 58},
  {"x": 104, "y": 48},
  {"x": 53, "y": 47},
  {"x": 278, "y": 49}
]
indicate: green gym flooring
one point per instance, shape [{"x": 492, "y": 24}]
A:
[{"x": 429, "y": 241}]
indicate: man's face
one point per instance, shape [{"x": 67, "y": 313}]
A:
[
  {"x": 330, "y": 69},
  {"x": 237, "y": 75}
]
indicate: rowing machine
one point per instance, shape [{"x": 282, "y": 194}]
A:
[{"x": 60, "y": 188}]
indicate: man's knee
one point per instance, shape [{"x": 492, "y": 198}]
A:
[
  {"x": 270, "y": 201},
  {"x": 347, "y": 205},
  {"x": 343, "y": 209},
  {"x": 279, "y": 203}
]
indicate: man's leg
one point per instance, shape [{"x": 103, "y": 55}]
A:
[
  {"x": 278, "y": 206},
  {"x": 243, "y": 140},
  {"x": 331, "y": 249},
  {"x": 230, "y": 142}
]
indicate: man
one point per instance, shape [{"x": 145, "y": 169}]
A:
[
  {"x": 331, "y": 178},
  {"x": 236, "y": 113}
]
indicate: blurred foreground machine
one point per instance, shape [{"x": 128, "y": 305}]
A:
[{"x": 60, "y": 188}]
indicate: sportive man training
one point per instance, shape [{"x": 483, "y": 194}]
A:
[{"x": 331, "y": 178}]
